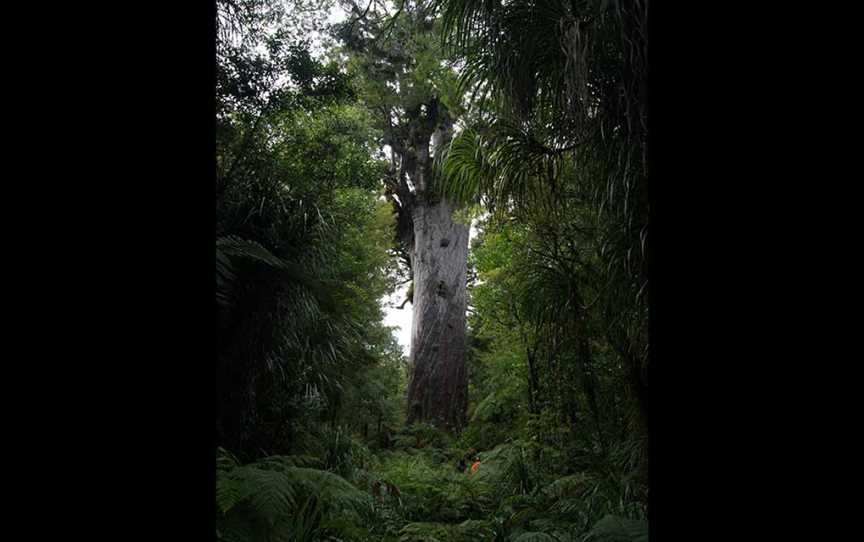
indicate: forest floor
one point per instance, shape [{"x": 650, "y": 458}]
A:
[{"x": 413, "y": 491}]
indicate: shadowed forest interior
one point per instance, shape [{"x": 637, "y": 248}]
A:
[{"x": 479, "y": 165}]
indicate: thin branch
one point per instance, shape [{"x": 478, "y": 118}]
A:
[
  {"x": 389, "y": 27},
  {"x": 361, "y": 15}
]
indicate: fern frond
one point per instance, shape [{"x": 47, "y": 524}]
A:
[
  {"x": 269, "y": 493},
  {"x": 336, "y": 494},
  {"x": 286, "y": 501}
]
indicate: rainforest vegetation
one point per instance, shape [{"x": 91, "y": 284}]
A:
[{"x": 483, "y": 162}]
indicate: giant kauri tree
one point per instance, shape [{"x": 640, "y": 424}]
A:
[{"x": 411, "y": 89}]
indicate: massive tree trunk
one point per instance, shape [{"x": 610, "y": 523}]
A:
[
  {"x": 436, "y": 248},
  {"x": 438, "y": 388}
]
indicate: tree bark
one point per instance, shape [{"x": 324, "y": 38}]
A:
[
  {"x": 438, "y": 389},
  {"x": 437, "y": 252}
]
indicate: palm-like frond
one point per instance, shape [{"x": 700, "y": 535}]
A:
[
  {"x": 232, "y": 245},
  {"x": 563, "y": 132},
  {"x": 506, "y": 166},
  {"x": 464, "y": 169}
]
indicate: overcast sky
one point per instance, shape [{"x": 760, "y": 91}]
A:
[{"x": 401, "y": 318}]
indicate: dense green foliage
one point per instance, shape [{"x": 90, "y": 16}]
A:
[
  {"x": 519, "y": 492},
  {"x": 549, "y": 164},
  {"x": 557, "y": 143},
  {"x": 302, "y": 249}
]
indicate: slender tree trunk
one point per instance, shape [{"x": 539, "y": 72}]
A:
[
  {"x": 533, "y": 384},
  {"x": 590, "y": 384},
  {"x": 633, "y": 368},
  {"x": 438, "y": 388}
]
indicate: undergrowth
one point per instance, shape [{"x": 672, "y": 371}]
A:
[{"x": 522, "y": 491}]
